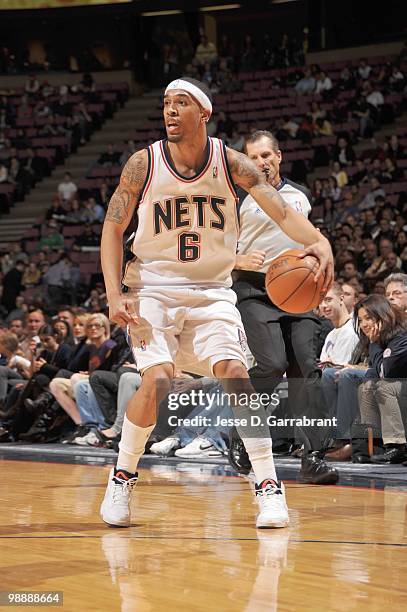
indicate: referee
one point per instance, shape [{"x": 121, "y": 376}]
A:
[{"x": 280, "y": 342}]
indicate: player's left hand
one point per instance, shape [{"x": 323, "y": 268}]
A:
[{"x": 323, "y": 252}]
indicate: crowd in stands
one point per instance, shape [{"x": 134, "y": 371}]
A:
[
  {"x": 326, "y": 119},
  {"x": 41, "y": 125}
]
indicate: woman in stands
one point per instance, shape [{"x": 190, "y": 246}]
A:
[
  {"x": 49, "y": 356},
  {"x": 63, "y": 331},
  {"x": 101, "y": 345},
  {"x": 383, "y": 394}
]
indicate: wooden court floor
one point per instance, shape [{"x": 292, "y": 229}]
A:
[{"x": 193, "y": 545}]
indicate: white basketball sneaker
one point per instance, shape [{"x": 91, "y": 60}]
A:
[
  {"x": 273, "y": 508},
  {"x": 166, "y": 447},
  {"x": 115, "y": 508},
  {"x": 199, "y": 447}
]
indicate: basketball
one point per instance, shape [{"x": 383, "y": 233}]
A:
[{"x": 290, "y": 282}]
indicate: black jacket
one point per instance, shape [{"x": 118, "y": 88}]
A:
[{"x": 390, "y": 361}]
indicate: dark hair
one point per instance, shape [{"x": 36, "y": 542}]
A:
[
  {"x": 47, "y": 330},
  {"x": 392, "y": 318},
  {"x": 69, "y": 336},
  {"x": 202, "y": 86},
  {"x": 254, "y": 136}
]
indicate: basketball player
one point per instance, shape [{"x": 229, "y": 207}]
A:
[
  {"x": 280, "y": 342},
  {"x": 180, "y": 309}
]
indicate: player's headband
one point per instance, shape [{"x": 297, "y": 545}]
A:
[{"x": 193, "y": 90}]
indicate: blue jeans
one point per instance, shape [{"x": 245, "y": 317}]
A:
[
  {"x": 340, "y": 389},
  {"x": 87, "y": 404},
  {"x": 211, "y": 432}
]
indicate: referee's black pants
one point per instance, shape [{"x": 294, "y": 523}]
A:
[{"x": 283, "y": 343}]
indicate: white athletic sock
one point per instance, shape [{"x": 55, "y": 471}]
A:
[
  {"x": 261, "y": 456},
  {"x": 132, "y": 445}
]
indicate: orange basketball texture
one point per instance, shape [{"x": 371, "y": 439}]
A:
[{"x": 290, "y": 282}]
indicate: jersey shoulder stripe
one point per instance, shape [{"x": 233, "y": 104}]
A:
[
  {"x": 150, "y": 171},
  {"x": 226, "y": 169}
]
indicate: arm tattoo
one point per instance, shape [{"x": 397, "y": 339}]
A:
[
  {"x": 244, "y": 171},
  {"x": 246, "y": 174},
  {"x": 128, "y": 191}
]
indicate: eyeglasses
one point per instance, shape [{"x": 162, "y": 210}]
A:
[{"x": 95, "y": 325}]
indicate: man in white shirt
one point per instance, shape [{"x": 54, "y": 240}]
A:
[
  {"x": 342, "y": 340},
  {"x": 350, "y": 296},
  {"x": 67, "y": 188}
]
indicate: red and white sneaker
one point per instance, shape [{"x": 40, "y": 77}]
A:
[
  {"x": 115, "y": 509},
  {"x": 273, "y": 508}
]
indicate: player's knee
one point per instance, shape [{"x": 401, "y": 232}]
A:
[
  {"x": 156, "y": 381},
  {"x": 230, "y": 368}
]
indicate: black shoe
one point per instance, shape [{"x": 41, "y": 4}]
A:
[
  {"x": 79, "y": 432},
  {"x": 5, "y": 435},
  {"x": 392, "y": 454},
  {"x": 360, "y": 458},
  {"x": 282, "y": 449},
  {"x": 106, "y": 442},
  {"x": 237, "y": 455},
  {"x": 40, "y": 404},
  {"x": 315, "y": 471}
]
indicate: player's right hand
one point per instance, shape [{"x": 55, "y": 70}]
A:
[
  {"x": 250, "y": 261},
  {"x": 122, "y": 310}
]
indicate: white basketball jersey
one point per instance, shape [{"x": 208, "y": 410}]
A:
[
  {"x": 260, "y": 233},
  {"x": 187, "y": 227}
]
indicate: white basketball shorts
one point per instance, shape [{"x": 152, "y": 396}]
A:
[{"x": 193, "y": 328}]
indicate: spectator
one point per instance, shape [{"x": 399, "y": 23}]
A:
[
  {"x": 56, "y": 212},
  {"x": 67, "y": 188},
  {"x": 87, "y": 239},
  {"x": 98, "y": 332},
  {"x": 369, "y": 201},
  {"x": 31, "y": 276},
  {"x": 92, "y": 212},
  {"x": 343, "y": 152},
  {"x": 65, "y": 313},
  {"x": 32, "y": 85},
  {"x": 109, "y": 157},
  {"x": 35, "y": 320},
  {"x": 306, "y": 84},
  {"x": 323, "y": 127},
  {"x": 73, "y": 212},
  {"x": 396, "y": 290},
  {"x": 20, "y": 310},
  {"x": 383, "y": 393},
  {"x": 374, "y": 96},
  {"x": 53, "y": 239},
  {"x": 339, "y": 174},
  {"x": 323, "y": 83},
  {"x": 17, "y": 365},
  {"x": 360, "y": 176},
  {"x": 364, "y": 70},
  {"x": 290, "y": 126},
  {"x": 390, "y": 173},
  {"x": 205, "y": 52},
  {"x": 84, "y": 120},
  {"x": 342, "y": 340},
  {"x": 16, "y": 326},
  {"x": 350, "y": 296},
  {"x": 13, "y": 285},
  {"x": 59, "y": 281}
]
